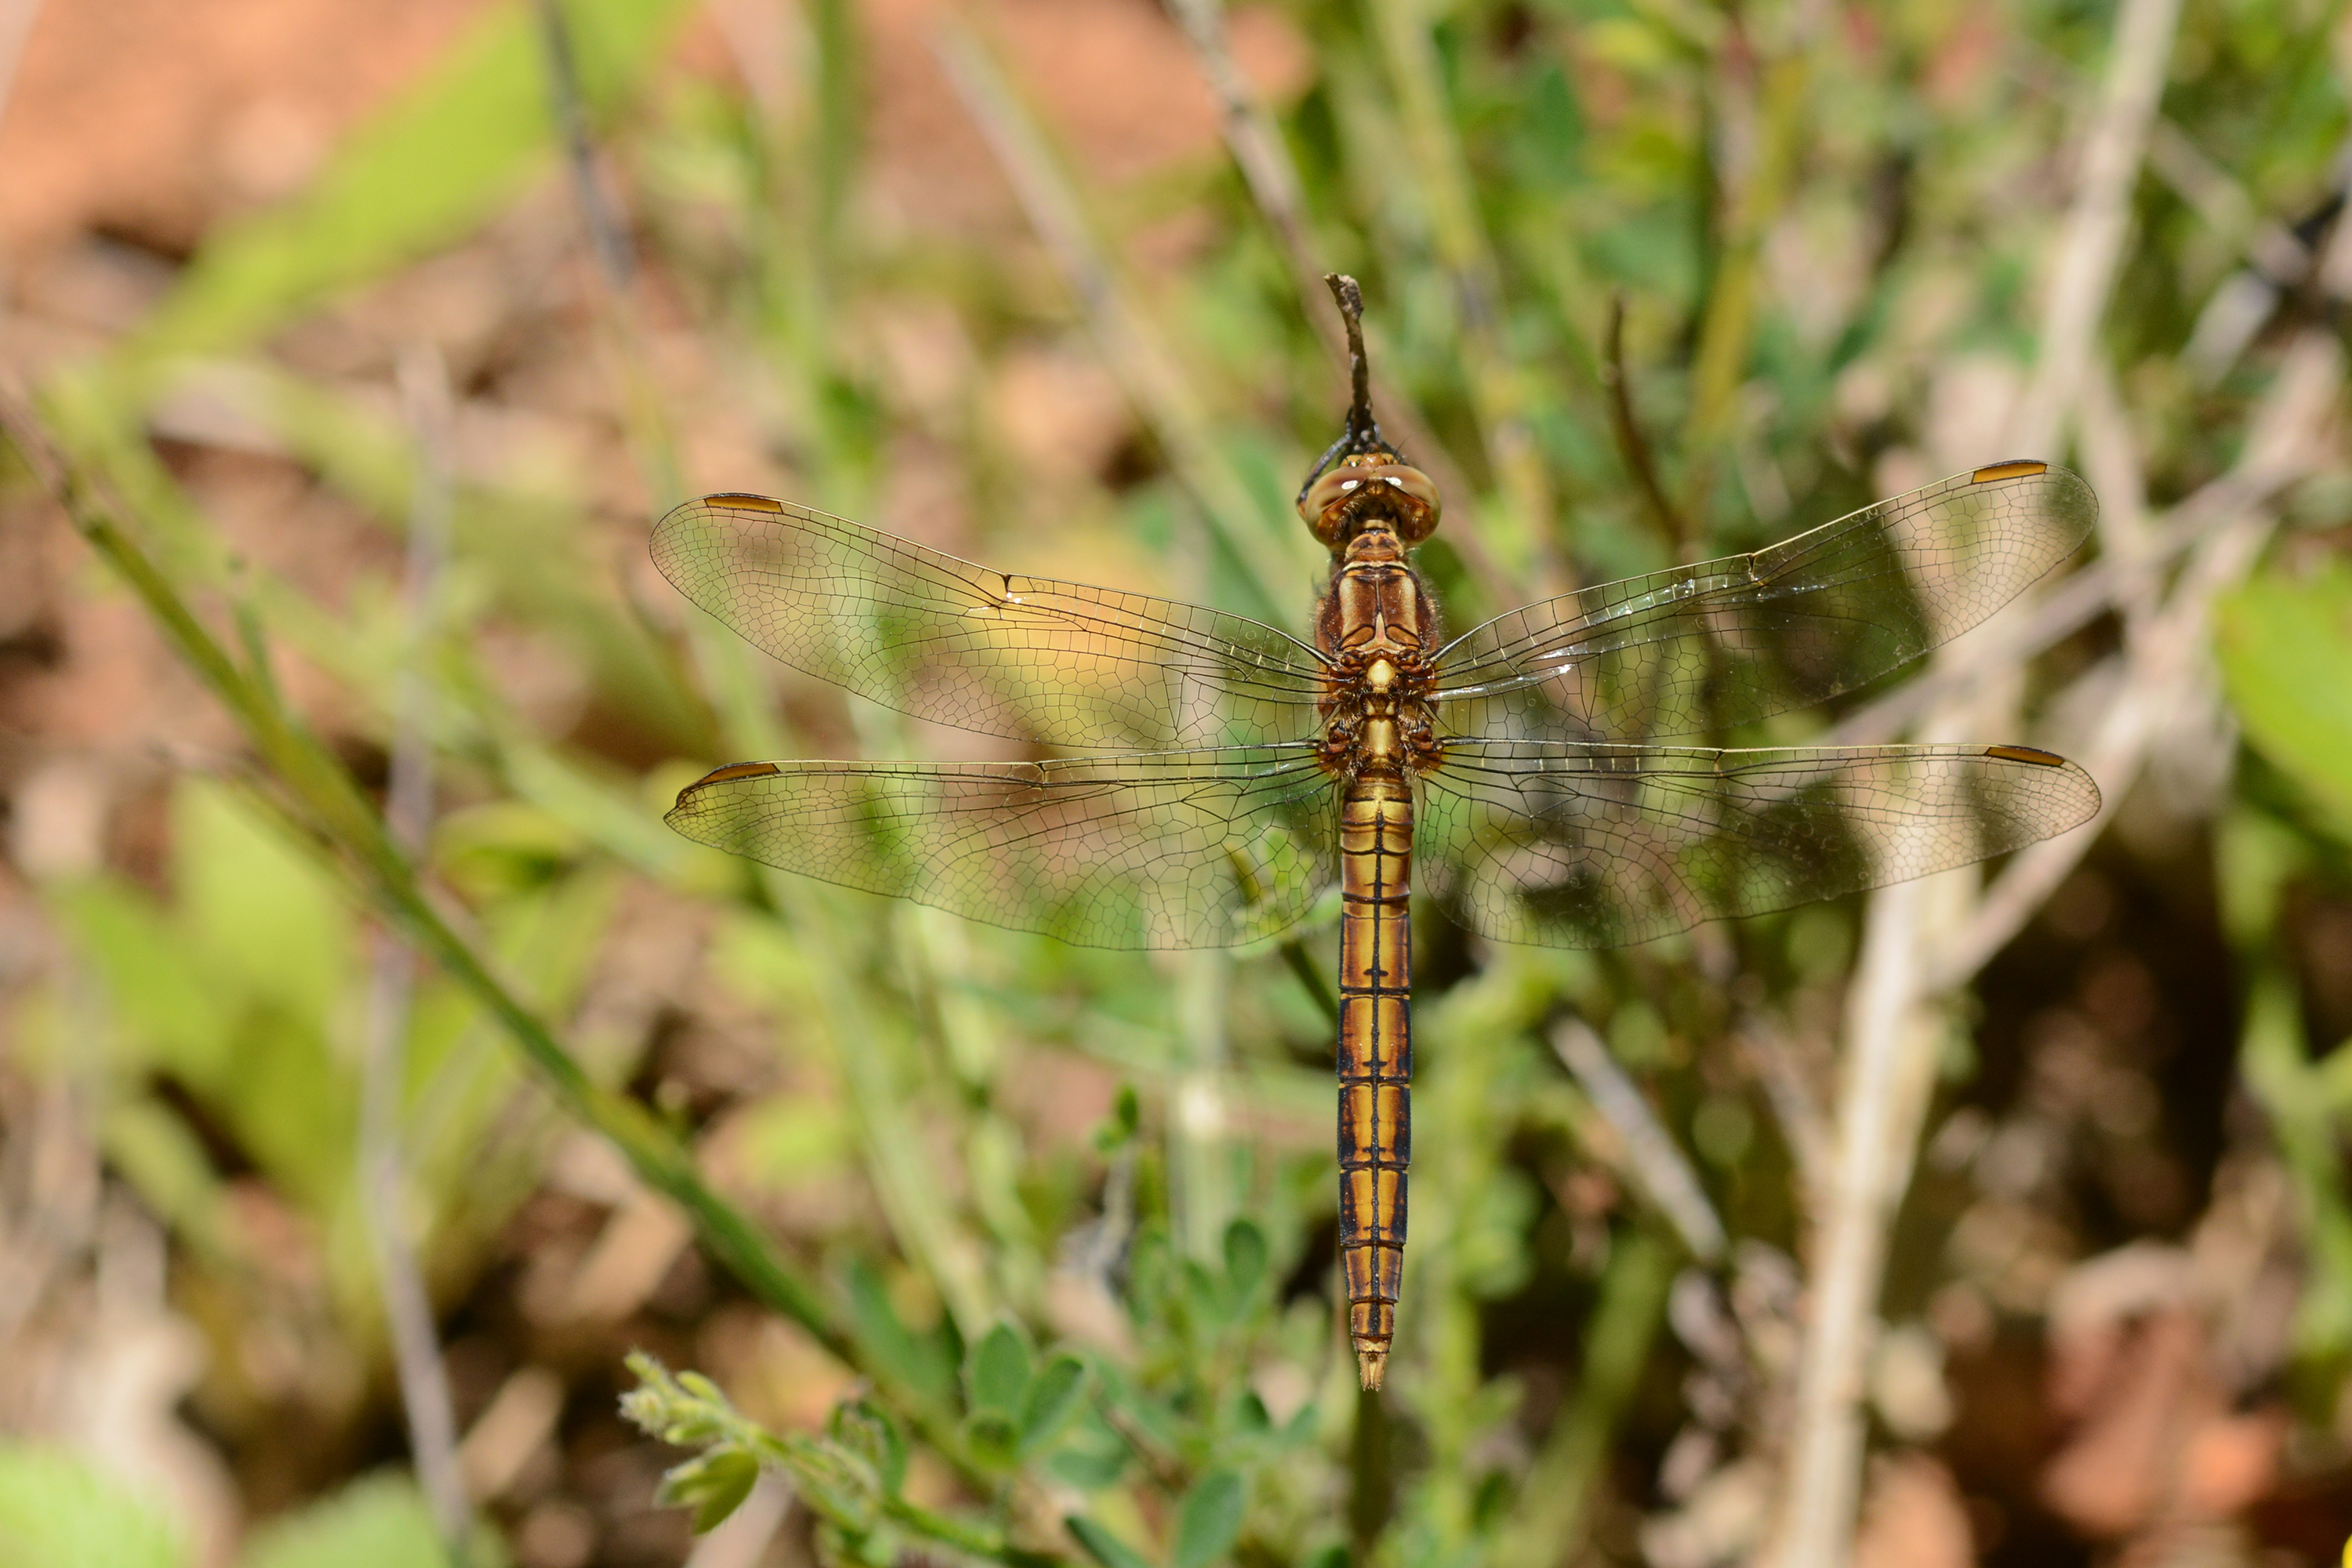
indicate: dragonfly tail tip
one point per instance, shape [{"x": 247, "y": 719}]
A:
[{"x": 1371, "y": 1364}]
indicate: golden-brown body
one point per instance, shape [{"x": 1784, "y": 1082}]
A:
[{"x": 1378, "y": 626}]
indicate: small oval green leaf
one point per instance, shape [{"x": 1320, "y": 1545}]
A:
[
  {"x": 1210, "y": 1520},
  {"x": 713, "y": 1486},
  {"x": 1053, "y": 1400},
  {"x": 999, "y": 1370},
  {"x": 992, "y": 1439}
]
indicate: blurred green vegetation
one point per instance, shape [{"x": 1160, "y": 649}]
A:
[
  {"x": 1825, "y": 226},
  {"x": 59, "y": 1512}
]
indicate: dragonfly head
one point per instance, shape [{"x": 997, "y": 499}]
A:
[
  {"x": 1371, "y": 489},
  {"x": 1362, "y": 481}
]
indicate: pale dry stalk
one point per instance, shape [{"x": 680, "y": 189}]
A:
[
  {"x": 384, "y": 1180},
  {"x": 1890, "y": 1029},
  {"x": 2090, "y": 247},
  {"x": 1649, "y": 1153},
  {"x": 1888, "y": 1072}
]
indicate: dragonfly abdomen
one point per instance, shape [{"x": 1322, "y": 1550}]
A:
[{"x": 1375, "y": 1056}]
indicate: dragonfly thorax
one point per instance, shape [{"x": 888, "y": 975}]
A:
[{"x": 1378, "y": 622}]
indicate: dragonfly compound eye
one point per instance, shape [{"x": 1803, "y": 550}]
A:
[
  {"x": 1413, "y": 501},
  {"x": 1338, "y": 506}
]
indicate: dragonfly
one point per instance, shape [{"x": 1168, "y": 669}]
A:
[{"x": 1542, "y": 777}]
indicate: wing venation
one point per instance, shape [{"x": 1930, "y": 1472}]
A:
[
  {"x": 1722, "y": 643},
  {"x": 1173, "y": 850},
  {"x": 945, "y": 640},
  {"x": 1580, "y": 846}
]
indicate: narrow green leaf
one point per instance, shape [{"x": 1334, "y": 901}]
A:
[
  {"x": 169, "y": 1011},
  {"x": 1204, "y": 1294},
  {"x": 1245, "y": 1256},
  {"x": 2256, "y": 856},
  {"x": 893, "y": 1348},
  {"x": 422, "y": 175},
  {"x": 1091, "y": 1454},
  {"x": 1103, "y": 1546},
  {"x": 1208, "y": 1521},
  {"x": 1088, "y": 1469},
  {"x": 2276, "y": 1068},
  {"x": 1137, "y": 1411}
]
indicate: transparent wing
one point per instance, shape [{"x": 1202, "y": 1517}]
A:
[
  {"x": 945, "y": 640},
  {"x": 1575, "y": 846},
  {"x": 1724, "y": 642},
  {"x": 1177, "y": 849}
]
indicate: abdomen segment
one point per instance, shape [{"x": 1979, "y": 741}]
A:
[{"x": 1375, "y": 1057}]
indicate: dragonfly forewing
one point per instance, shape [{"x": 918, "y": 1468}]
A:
[
  {"x": 1578, "y": 846},
  {"x": 1027, "y": 657},
  {"x": 1174, "y": 849},
  {"x": 1722, "y": 643}
]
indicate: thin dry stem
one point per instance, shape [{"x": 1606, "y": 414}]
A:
[
  {"x": 1348, "y": 295},
  {"x": 1497, "y": 382},
  {"x": 1199, "y": 1132},
  {"x": 1889, "y": 1066},
  {"x": 1267, "y": 169},
  {"x": 1796, "y": 1104},
  {"x": 384, "y": 1182},
  {"x": 2224, "y": 205},
  {"x": 1143, "y": 366},
  {"x": 607, "y": 235},
  {"x": 1633, "y": 445},
  {"x": 2090, "y": 248},
  {"x": 1651, "y": 1157}
]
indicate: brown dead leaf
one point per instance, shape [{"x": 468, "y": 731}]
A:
[
  {"x": 1914, "y": 1517},
  {"x": 2113, "y": 1474},
  {"x": 2229, "y": 1464}
]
